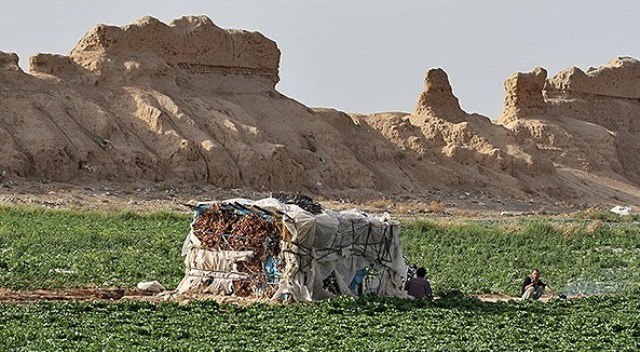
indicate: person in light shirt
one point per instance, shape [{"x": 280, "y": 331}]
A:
[{"x": 532, "y": 287}]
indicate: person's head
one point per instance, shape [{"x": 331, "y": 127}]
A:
[
  {"x": 421, "y": 272},
  {"x": 535, "y": 274}
]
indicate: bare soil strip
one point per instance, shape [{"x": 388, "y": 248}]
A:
[
  {"x": 114, "y": 295},
  {"x": 8, "y": 296},
  {"x": 76, "y": 294}
]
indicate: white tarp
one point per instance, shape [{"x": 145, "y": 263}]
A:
[
  {"x": 338, "y": 244},
  {"x": 621, "y": 210}
]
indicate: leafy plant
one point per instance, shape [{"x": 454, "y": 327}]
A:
[
  {"x": 343, "y": 324},
  {"x": 56, "y": 249},
  {"x": 494, "y": 257}
]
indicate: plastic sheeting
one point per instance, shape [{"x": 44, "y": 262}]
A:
[
  {"x": 622, "y": 210},
  {"x": 340, "y": 246}
]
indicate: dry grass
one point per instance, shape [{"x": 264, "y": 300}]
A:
[
  {"x": 436, "y": 207},
  {"x": 464, "y": 213},
  {"x": 568, "y": 229},
  {"x": 381, "y": 203},
  {"x": 511, "y": 229},
  {"x": 595, "y": 226}
]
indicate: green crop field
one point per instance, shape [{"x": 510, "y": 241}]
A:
[
  {"x": 581, "y": 256},
  {"x": 450, "y": 324},
  {"x": 71, "y": 249},
  {"x": 68, "y": 249},
  {"x": 64, "y": 249}
]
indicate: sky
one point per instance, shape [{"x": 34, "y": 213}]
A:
[{"x": 369, "y": 56}]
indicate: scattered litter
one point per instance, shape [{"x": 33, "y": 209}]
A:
[
  {"x": 621, "y": 210},
  {"x": 151, "y": 287},
  {"x": 61, "y": 271}
]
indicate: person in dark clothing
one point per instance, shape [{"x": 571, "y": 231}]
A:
[
  {"x": 532, "y": 287},
  {"x": 419, "y": 286}
]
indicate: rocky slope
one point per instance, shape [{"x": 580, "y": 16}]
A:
[
  {"x": 184, "y": 102},
  {"x": 587, "y": 123},
  {"x": 191, "y": 103}
]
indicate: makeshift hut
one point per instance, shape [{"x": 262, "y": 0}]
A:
[{"x": 269, "y": 249}]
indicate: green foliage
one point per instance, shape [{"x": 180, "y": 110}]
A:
[
  {"x": 343, "y": 324},
  {"x": 42, "y": 248},
  {"x": 55, "y": 249},
  {"x": 494, "y": 257}
]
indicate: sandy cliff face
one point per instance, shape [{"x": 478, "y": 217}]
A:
[
  {"x": 586, "y": 122},
  {"x": 189, "y": 102},
  {"x": 480, "y": 154},
  {"x": 149, "y": 49},
  {"x": 184, "y": 102}
]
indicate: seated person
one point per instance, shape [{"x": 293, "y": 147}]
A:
[
  {"x": 533, "y": 287},
  {"x": 419, "y": 286}
]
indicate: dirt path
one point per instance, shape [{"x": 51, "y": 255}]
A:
[
  {"x": 505, "y": 298},
  {"x": 77, "y": 294},
  {"x": 108, "y": 295},
  {"x": 118, "y": 294},
  {"x": 113, "y": 197}
]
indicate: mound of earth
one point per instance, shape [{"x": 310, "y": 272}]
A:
[
  {"x": 481, "y": 155},
  {"x": 587, "y": 123},
  {"x": 186, "y": 102},
  {"x": 189, "y": 103}
]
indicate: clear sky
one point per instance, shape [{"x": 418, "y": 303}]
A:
[{"x": 369, "y": 56}]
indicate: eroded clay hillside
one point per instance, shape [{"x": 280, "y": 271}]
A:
[
  {"x": 184, "y": 102},
  {"x": 191, "y": 103},
  {"x": 587, "y": 123}
]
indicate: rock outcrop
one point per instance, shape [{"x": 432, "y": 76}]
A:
[
  {"x": 150, "y": 48},
  {"x": 9, "y": 62},
  {"x": 189, "y": 102},
  {"x": 437, "y": 98},
  {"x": 523, "y": 94},
  {"x": 186, "y": 102},
  {"x": 620, "y": 78},
  {"x": 587, "y": 121},
  {"x": 439, "y": 131}
]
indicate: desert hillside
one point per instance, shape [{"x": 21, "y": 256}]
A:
[{"x": 190, "y": 103}]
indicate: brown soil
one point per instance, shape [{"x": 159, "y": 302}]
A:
[
  {"x": 106, "y": 196},
  {"x": 109, "y": 295}
]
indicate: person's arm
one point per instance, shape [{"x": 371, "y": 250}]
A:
[
  {"x": 526, "y": 284},
  {"x": 547, "y": 287},
  {"x": 427, "y": 289}
]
